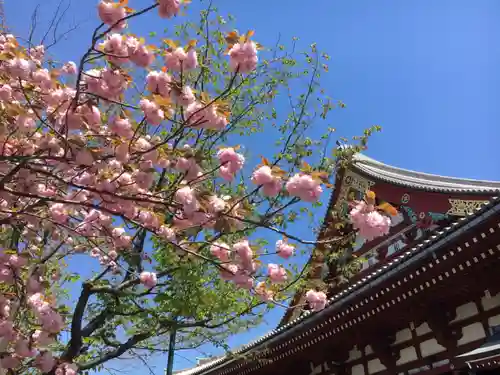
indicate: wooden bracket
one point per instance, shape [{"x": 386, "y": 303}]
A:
[
  {"x": 438, "y": 319},
  {"x": 383, "y": 350}
]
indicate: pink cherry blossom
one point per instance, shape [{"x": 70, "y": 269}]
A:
[
  {"x": 206, "y": 117},
  {"x": 45, "y": 361},
  {"x": 220, "y": 250},
  {"x": 34, "y": 285},
  {"x": 189, "y": 167},
  {"x": 111, "y": 12},
  {"x": 166, "y": 233},
  {"x": 231, "y": 162},
  {"x": 37, "y": 53},
  {"x": 142, "y": 144},
  {"x": 244, "y": 252},
  {"x": 84, "y": 157},
  {"x": 243, "y": 280},
  {"x": 152, "y": 111},
  {"x": 25, "y": 123},
  {"x": 148, "y": 279},
  {"x": 178, "y": 59},
  {"x": 112, "y": 255},
  {"x": 122, "y": 151},
  {"x": 191, "y": 61},
  {"x": 42, "y": 338},
  {"x": 183, "y": 97},
  {"x": 10, "y": 361},
  {"x": 23, "y": 349},
  {"x": 304, "y": 187},
  {"x": 168, "y": 8},
  {"x": 228, "y": 271},
  {"x": 139, "y": 54},
  {"x": 120, "y": 237},
  {"x": 92, "y": 116},
  {"x": 16, "y": 261},
  {"x": 42, "y": 78},
  {"x": 51, "y": 321},
  {"x": 66, "y": 369},
  {"x": 20, "y": 68},
  {"x": 284, "y": 249},
  {"x": 59, "y": 213},
  {"x": 93, "y": 79},
  {"x": 216, "y": 204},
  {"x": 262, "y": 175},
  {"x": 277, "y": 273},
  {"x": 159, "y": 83},
  {"x": 271, "y": 185},
  {"x": 113, "y": 84},
  {"x": 38, "y": 302},
  {"x": 264, "y": 293},
  {"x": 148, "y": 219},
  {"x": 115, "y": 48},
  {"x": 317, "y": 300},
  {"x": 69, "y": 68},
  {"x": 369, "y": 222},
  {"x": 144, "y": 179},
  {"x": 243, "y": 57},
  {"x": 181, "y": 221},
  {"x": 122, "y": 127},
  {"x": 4, "y": 308},
  {"x": 5, "y": 93},
  {"x": 273, "y": 188},
  {"x": 186, "y": 197},
  {"x": 7, "y": 329}
]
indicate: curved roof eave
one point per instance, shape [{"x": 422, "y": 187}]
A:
[
  {"x": 424, "y": 248},
  {"x": 419, "y": 180}
]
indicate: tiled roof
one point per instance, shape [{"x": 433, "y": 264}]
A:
[
  {"x": 418, "y": 180},
  {"x": 417, "y": 252},
  {"x": 199, "y": 369}
]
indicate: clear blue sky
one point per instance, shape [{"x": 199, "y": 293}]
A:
[{"x": 427, "y": 71}]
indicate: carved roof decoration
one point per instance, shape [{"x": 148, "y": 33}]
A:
[
  {"x": 422, "y": 249},
  {"x": 378, "y": 173},
  {"x": 419, "y": 180}
]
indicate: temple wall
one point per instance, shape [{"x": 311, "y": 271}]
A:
[
  {"x": 466, "y": 311},
  {"x": 402, "y": 336},
  {"x": 375, "y": 366},
  {"x": 407, "y": 355},
  {"x": 471, "y": 333},
  {"x": 358, "y": 370},
  {"x": 489, "y": 302},
  {"x": 416, "y": 344},
  {"x": 431, "y": 347}
]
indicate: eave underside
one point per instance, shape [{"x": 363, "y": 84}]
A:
[{"x": 220, "y": 366}]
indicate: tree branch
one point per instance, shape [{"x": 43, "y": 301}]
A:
[
  {"x": 75, "y": 343},
  {"x": 129, "y": 344}
]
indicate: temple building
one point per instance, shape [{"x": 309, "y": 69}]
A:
[{"x": 424, "y": 299}]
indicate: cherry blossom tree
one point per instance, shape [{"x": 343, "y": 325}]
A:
[{"x": 135, "y": 156}]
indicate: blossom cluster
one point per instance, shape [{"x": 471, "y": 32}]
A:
[
  {"x": 82, "y": 172},
  {"x": 85, "y": 168},
  {"x": 369, "y": 222},
  {"x": 22, "y": 344},
  {"x": 239, "y": 265}
]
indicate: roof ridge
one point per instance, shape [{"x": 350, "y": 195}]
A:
[{"x": 420, "y": 180}]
